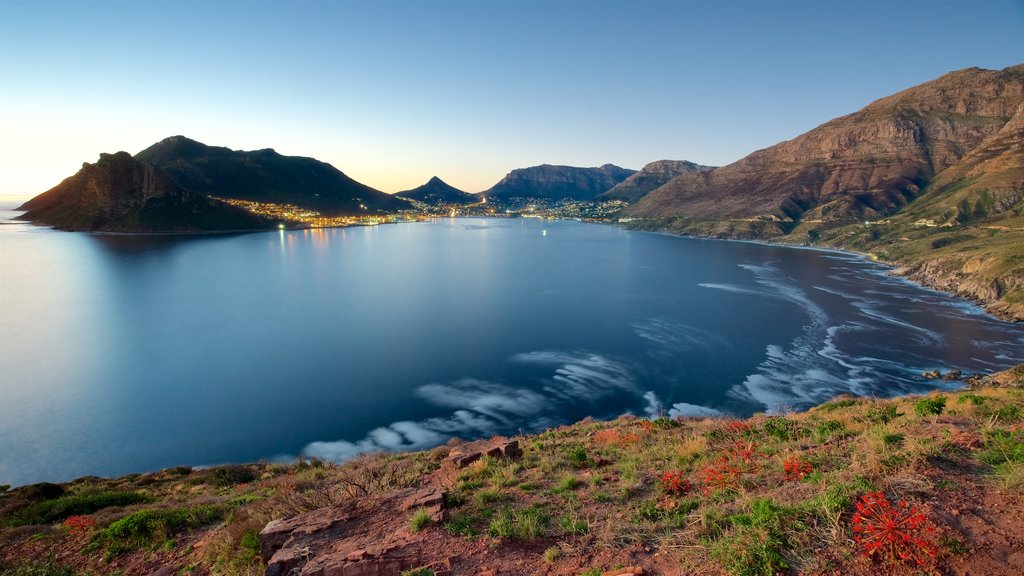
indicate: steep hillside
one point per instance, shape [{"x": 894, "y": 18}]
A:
[
  {"x": 930, "y": 179},
  {"x": 120, "y": 194},
  {"x": 437, "y": 192},
  {"x": 558, "y": 182},
  {"x": 265, "y": 176},
  {"x": 651, "y": 177},
  {"x": 808, "y": 493}
]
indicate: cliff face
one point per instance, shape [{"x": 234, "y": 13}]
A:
[
  {"x": 558, "y": 182},
  {"x": 437, "y": 191},
  {"x": 265, "y": 176},
  {"x": 865, "y": 165},
  {"x": 652, "y": 177},
  {"x": 118, "y": 193}
]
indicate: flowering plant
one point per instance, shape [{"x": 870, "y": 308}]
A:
[
  {"x": 673, "y": 483},
  {"x": 795, "y": 468},
  {"x": 79, "y": 524},
  {"x": 895, "y": 533}
]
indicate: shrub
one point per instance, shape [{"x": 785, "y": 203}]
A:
[
  {"x": 974, "y": 399},
  {"x": 232, "y": 475},
  {"x": 577, "y": 457},
  {"x": 891, "y": 533},
  {"x": 777, "y": 428},
  {"x": 892, "y": 439},
  {"x": 930, "y": 406},
  {"x": 882, "y": 414},
  {"x": 665, "y": 423},
  {"x": 829, "y": 428},
  {"x": 419, "y": 520},
  {"x": 49, "y": 511},
  {"x": 419, "y": 572},
  {"x": 79, "y": 524},
  {"x": 149, "y": 528}
]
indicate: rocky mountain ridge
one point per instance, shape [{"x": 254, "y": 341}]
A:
[
  {"x": 121, "y": 194},
  {"x": 905, "y": 179},
  {"x": 265, "y": 176},
  {"x": 436, "y": 192},
  {"x": 553, "y": 182},
  {"x": 651, "y": 177}
]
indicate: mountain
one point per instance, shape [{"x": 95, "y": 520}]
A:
[
  {"x": 436, "y": 192},
  {"x": 265, "y": 176},
  {"x": 864, "y": 165},
  {"x": 121, "y": 194},
  {"x": 930, "y": 179},
  {"x": 558, "y": 182},
  {"x": 651, "y": 177}
]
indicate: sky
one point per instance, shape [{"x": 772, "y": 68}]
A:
[{"x": 394, "y": 92}]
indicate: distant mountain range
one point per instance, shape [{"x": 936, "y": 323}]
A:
[
  {"x": 558, "y": 182},
  {"x": 930, "y": 179},
  {"x": 436, "y": 192},
  {"x": 651, "y": 177},
  {"x": 121, "y": 194}
]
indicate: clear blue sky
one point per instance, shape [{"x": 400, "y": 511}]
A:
[{"x": 394, "y": 92}]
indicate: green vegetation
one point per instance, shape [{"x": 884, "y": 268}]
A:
[
  {"x": 45, "y": 568},
  {"x": 420, "y": 520},
  {"x": 930, "y": 406},
  {"x": 147, "y": 529},
  {"x": 57, "y": 509},
  {"x": 766, "y": 495}
]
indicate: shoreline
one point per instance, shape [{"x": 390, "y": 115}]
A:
[{"x": 895, "y": 270}]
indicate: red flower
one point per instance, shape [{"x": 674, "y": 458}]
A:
[
  {"x": 795, "y": 468},
  {"x": 673, "y": 483},
  {"x": 79, "y": 524},
  {"x": 894, "y": 533},
  {"x": 720, "y": 476}
]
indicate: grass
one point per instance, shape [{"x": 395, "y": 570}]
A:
[
  {"x": 930, "y": 406},
  {"x": 420, "y": 520},
  {"x": 581, "y": 488},
  {"x": 148, "y": 529},
  {"x": 57, "y": 509}
]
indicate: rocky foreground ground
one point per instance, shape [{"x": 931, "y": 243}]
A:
[{"x": 912, "y": 485}]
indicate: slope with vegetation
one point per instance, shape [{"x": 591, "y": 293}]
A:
[
  {"x": 912, "y": 485},
  {"x": 930, "y": 179}
]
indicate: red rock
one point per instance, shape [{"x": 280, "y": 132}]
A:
[{"x": 627, "y": 571}]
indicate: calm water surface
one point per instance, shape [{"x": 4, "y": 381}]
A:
[{"x": 123, "y": 354}]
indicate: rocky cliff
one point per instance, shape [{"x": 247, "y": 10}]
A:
[
  {"x": 436, "y": 192},
  {"x": 865, "y": 165},
  {"x": 265, "y": 176},
  {"x": 121, "y": 194},
  {"x": 651, "y": 177},
  {"x": 930, "y": 179},
  {"x": 558, "y": 182}
]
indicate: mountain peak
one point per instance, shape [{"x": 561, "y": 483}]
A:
[{"x": 436, "y": 192}]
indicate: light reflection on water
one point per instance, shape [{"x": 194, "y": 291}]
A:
[{"x": 128, "y": 353}]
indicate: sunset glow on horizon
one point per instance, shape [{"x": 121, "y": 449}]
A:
[{"x": 393, "y": 93}]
